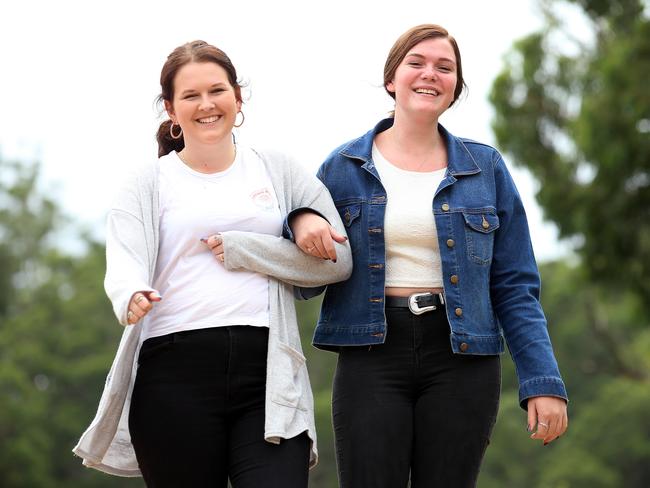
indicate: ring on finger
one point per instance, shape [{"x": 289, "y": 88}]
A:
[
  {"x": 139, "y": 298},
  {"x": 130, "y": 315},
  {"x": 542, "y": 424}
]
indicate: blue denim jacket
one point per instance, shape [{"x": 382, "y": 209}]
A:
[{"x": 484, "y": 245}]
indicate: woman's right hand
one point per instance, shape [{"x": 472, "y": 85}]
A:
[
  {"x": 140, "y": 304},
  {"x": 315, "y": 236}
]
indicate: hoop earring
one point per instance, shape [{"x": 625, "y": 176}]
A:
[
  {"x": 171, "y": 131},
  {"x": 243, "y": 117}
]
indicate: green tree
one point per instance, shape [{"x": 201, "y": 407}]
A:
[
  {"x": 57, "y": 339},
  {"x": 607, "y": 372},
  {"x": 576, "y": 113}
]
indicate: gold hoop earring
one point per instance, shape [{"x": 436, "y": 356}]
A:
[
  {"x": 171, "y": 131},
  {"x": 243, "y": 117}
]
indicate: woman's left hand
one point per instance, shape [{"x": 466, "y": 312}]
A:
[
  {"x": 215, "y": 243},
  {"x": 315, "y": 236},
  {"x": 547, "y": 418}
]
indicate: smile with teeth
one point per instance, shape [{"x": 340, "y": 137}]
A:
[
  {"x": 427, "y": 91},
  {"x": 208, "y": 120}
]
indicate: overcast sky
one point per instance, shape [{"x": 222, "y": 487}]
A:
[{"x": 79, "y": 80}]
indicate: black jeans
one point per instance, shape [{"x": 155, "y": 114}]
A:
[
  {"x": 412, "y": 408},
  {"x": 197, "y": 413}
]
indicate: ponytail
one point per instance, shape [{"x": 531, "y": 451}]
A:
[{"x": 166, "y": 143}]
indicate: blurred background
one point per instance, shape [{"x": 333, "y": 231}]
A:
[{"x": 561, "y": 87}]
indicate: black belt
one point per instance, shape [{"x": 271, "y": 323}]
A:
[{"x": 417, "y": 303}]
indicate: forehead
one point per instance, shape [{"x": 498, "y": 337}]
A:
[
  {"x": 194, "y": 75},
  {"x": 437, "y": 47}
]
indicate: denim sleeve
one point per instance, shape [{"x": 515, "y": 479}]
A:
[
  {"x": 301, "y": 292},
  {"x": 515, "y": 290}
]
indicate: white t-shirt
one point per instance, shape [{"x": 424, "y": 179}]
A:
[
  {"x": 411, "y": 239},
  {"x": 197, "y": 291}
]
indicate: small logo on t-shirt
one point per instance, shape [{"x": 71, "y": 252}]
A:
[{"x": 262, "y": 198}]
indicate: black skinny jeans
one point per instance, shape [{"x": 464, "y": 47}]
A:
[
  {"x": 197, "y": 413},
  {"x": 412, "y": 408}
]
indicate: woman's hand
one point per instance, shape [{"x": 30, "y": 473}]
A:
[
  {"x": 315, "y": 236},
  {"x": 140, "y": 304},
  {"x": 547, "y": 418},
  {"x": 215, "y": 243}
]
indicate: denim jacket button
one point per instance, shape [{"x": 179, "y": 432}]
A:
[
  {"x": 458, "y": 312},
  {"x": 454, "y": 279},
  {"x": 463, "y": 346},
  {"x": 450, "y": 243},
  {"x": 445, "y": 207}
]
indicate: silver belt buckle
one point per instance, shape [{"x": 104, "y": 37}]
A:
[{"x": 415, "y": 308}]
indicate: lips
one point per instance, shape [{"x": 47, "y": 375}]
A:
[
  {"x": 428, "y": 91},
  {"x": 208, "y": 120}
]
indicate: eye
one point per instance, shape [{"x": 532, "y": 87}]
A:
[
  {"x": 414, "y": 63},
  {"x": 445, "y": 69},
  {"x": 216, "y": 91},
  {"x": 189, "y": 96}
]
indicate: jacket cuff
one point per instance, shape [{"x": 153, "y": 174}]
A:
[{"x": 544, "y": 386}]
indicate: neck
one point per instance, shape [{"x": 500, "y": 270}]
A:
[
  {"x": 209, "y": 158},
  {"x": 415, "y": 135}
]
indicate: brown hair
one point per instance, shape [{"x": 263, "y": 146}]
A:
[
  {"x": 414, "y": 36},
  {"x": 192, "y": 52}
]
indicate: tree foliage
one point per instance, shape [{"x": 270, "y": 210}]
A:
[
  {"x": 57, "y": 338},
  {"x": 576, "y": 113}
]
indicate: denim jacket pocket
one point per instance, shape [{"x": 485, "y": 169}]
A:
[
  {"x": 479, "y": 234},
  {"x": 350, "y": 213},
  {"x": 288, "y": 391}
]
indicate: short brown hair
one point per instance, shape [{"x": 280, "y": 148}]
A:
[{"x": 412, "y": 37}]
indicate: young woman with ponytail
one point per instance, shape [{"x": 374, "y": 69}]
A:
[{"x": 209, "y": 383}]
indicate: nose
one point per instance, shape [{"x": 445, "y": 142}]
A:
[
  {"x": 429, "y": 73},
  {"x": 206, "y": 103}
]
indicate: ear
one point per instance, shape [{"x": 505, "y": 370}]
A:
[
  {"x": 238, "y": 105},
  {"x": 170, "y": 109},
  {"x": 390, "y": 86}
]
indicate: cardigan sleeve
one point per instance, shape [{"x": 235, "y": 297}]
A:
[
  {"x": 128, "y": 246},
  {"x": 281, "y": 258}
]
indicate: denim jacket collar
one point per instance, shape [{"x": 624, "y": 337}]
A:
[{"x": 459, "y": 159}]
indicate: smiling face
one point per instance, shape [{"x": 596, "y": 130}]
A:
[
  {"x": 204, "y": 104},
  {"x": 426, "y": 79}
]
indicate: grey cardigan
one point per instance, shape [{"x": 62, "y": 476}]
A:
[{"x": 131, "y": 250}]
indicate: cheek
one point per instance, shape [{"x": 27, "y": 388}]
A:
[{"x": 452, "y": 82}]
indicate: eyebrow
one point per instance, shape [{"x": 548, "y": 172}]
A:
[
  {"x": 422, "y": 57},
  {"x": 216, "y": 85}
]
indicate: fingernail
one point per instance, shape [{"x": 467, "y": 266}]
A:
[
  {"x": 529, "y": 428},
  {"x": 203, "y": 239},
  {"x": 346, "y": 238},
  {"x": 546, "y": 443},
  {"x": 333, "y": 260}
]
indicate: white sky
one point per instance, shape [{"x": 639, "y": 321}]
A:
[{"x": 79, "y": 79}]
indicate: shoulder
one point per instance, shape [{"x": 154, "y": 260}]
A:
[
  {"x": 282, "y": 164},
  {"x": 477, "y": 147},
  {"x": 483, "y": 155},
  {"x": 141, "y": 175},
  {"x": 136, "y": 184},
  {"x": 270, "y": 155}
]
